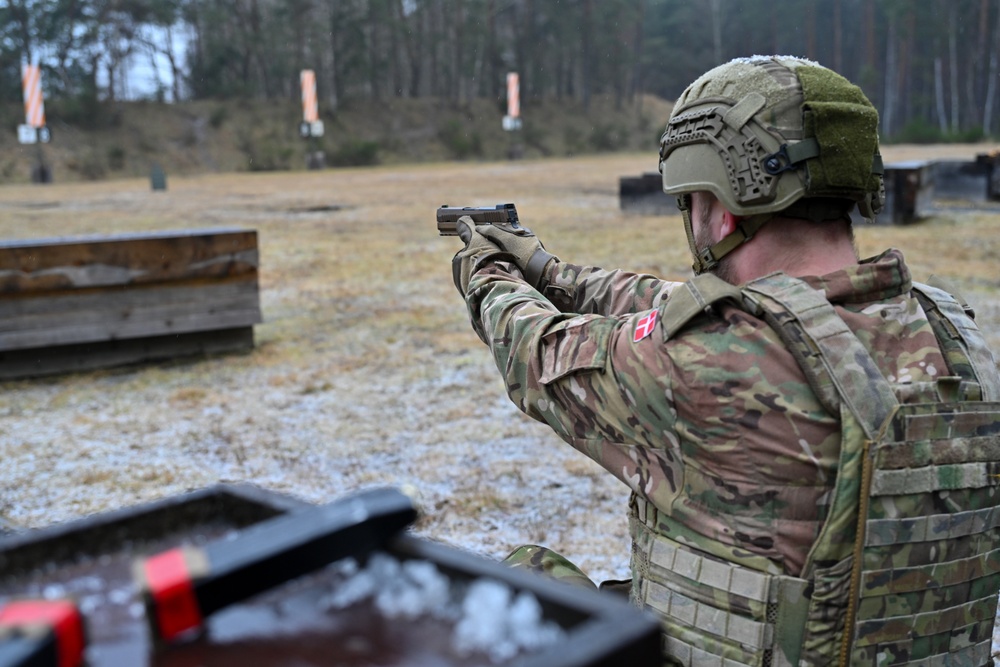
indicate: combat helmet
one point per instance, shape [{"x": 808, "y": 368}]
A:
[{"x": 771, "y": 134}]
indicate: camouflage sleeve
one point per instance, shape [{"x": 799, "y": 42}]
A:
[
  {"x": 582, "y": 374},
  {"x": 579, "y": 289}
]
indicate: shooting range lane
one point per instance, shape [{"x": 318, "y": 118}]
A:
[{"x": 364, "y": 370}]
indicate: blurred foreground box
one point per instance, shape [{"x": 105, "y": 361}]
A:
[{"x": 90, "y": 560}]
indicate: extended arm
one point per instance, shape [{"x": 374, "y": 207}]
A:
[
  {"x": 590, "y": 290},
  {"x": 581, "y": 375},
  {"x": 572, "y": 288}
]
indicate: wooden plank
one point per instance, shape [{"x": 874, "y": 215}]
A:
[
  {"x": 143, "y": 313},
  {"x": 123, "y": 299},
  {"x": 44, "y": 361},
  {"x": 94, "y": 333},
  {"x": 37, "y": 265}
]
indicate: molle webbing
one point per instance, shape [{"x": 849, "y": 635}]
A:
[
  {"x": 715, "y": 613},
  {"x": 930, "y": 561}
]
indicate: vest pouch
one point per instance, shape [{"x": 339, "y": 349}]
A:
[
  {"x": 714, "y": 612},
  {"x": 821, "y": 644}
]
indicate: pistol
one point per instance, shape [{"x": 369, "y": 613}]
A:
[{"x": 447, "y": 216}]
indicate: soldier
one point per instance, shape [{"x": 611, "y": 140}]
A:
[{"x": 807, "y": 436}]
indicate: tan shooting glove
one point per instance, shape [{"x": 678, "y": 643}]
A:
[
  {"x": 478, "y": 250},
  {"x": 525, "y": 249}
]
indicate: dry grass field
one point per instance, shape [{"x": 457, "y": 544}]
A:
[{"x": 365, "y": 370}]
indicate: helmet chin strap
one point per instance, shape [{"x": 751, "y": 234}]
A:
[{"x": 706, "y": 259}]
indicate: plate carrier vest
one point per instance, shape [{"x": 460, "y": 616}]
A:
[{"x": 906, "y": 567}]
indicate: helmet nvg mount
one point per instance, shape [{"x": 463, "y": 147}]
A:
[{"x": 772, "y": 135}]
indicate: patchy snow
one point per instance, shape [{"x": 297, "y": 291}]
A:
[{"x": 488, "y": 479}]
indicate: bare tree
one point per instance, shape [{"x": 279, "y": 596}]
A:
[
  {"x": 953, "y": 63},
  {"x": 838, "y": 38},
  {"x": 716, "y": 7},
  {"x": 991, "y": 79},
  {"x": 891, "y": 77},
  {"x": 942, "y": 114}
]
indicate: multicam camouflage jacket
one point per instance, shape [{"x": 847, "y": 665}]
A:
[
  {"x": 816, "y": 487},
  {"x": 715, "y": 427}
]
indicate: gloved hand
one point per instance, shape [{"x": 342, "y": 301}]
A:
[
  {"x": 478, "y": 250},
  {"x": 525, "y": 249}
]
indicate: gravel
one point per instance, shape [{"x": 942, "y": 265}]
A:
[{"x": 98, "y": 441}]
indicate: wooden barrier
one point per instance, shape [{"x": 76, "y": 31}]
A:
[
  {"x": 989, "y": 164},
  {"x": 909, "y": 192},
  {"x": 644, "y": 194},
  {"x": 961, "y": 179},
  {"x": 70, "y": 304}
]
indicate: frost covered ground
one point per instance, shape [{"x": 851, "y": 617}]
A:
[{"x": 365, "y": 371}]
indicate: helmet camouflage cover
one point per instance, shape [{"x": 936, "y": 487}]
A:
[{"x": 764, "y": 133}]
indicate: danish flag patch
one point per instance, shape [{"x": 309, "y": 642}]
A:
[{"x": 644, "y": 327}]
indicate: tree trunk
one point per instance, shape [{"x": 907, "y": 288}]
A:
[
  {"x": 636, "y": 88},
  {"x": 773, "y": 10},
  {"x": 838, "y": 38},
  {"x": 982, "y": 59},
  {"x": 374, "y": 44},
  {"x": 716, "y": 7},
  {"x": 889, "y": 104},
  {"x": 869, "y": 24},
  {"x": 433, "y": 39},
  {"x": 175, "y": 72},
  {"x": 903, "y": 75},
  {"x": 942, "y": 113},
  {"x": 458, "y": 50},
  {"x": 21, "y": 14},
  {"x": 991, "y": 79},
  {"x": 332, "y": 60},
  {"x": 953, "y": 64},
  {"x": 587, "y": 46},
  {"x": 397, "y": 34},
  {"x": 491, "y": 47},
  {"x": 811, "y": 31}
]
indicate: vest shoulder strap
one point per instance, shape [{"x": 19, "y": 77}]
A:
[
  {"x": 961, "y": 341},
  {"x": 837, "y": 365},
  {"x": 693, "y": 298}
]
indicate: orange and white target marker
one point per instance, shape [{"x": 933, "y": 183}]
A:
[
  {"x": 513, "y": 95},
  {"x": 34, "y": 104},
  {"x": 310, "y": 108}
]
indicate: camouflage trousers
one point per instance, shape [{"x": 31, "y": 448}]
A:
[{"x": 542, "y": 560}]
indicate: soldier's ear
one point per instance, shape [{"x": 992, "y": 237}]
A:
[{"x": 730, "y": 221}]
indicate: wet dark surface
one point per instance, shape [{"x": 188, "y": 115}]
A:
[{"x": 292, "y": 625}]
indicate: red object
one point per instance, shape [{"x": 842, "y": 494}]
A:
[
  {"x": 172, "y": 591},
  {"x": 644, "y": 327},
  {"x": 60, "y": 616}
]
